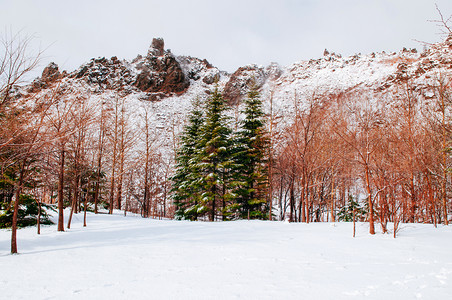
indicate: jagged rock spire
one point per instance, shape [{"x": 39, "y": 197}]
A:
[{"x": 157, "y": 47}]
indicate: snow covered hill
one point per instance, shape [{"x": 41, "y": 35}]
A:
[{"x": 119, "y": 257}]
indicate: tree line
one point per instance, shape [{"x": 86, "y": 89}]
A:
[{"x": 390, "y": 151}]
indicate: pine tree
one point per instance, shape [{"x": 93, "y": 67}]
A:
[
  {"x": 352, "y": 210},
  {"x": 214, "y": 158},
  {"x": 186, "y": 179},
  {"x": 251, "y": 157}
]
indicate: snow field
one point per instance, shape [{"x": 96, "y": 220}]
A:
[{"x": 119, "y": 257}]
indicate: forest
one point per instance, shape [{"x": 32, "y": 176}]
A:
[{"x": 381, "y": 158}]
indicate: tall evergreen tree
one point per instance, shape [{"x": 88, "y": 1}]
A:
[
  {"x": 251, "y": 162},
  {"x": 214, "y": 160},
  {"x": 186, "y": 179}
]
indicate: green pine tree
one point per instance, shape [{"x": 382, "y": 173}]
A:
[
  {"x": 352, "y": 207},
  {"x": 251, "y": 157},
  {"x": 186, "y": 180},
  {"x": 214, "y": 158}
]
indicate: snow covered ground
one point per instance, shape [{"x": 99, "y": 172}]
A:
[{"x": 118, "y": 257}]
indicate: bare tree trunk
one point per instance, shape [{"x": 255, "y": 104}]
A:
[
  {"x": 307, "y": 201},
  {"x": 98, "y": 173},
  {"x": 99, "y": 159},
  {"x": 396, "y": 222},
  {"x": 281, "y": 210},
  {"x": 119, "y": 187},
  {"x": 112, "y": 184},
  {"x": 16, "y": 209},
  {"x": 14, "y": 222},
  {"x": 270, "y": 163},
  {"x": 333, "y": 201},
  {"x": 371, "y": 205},
  {"x": 60, "y": 191},
  {"x": 444, "y": 179},
  {"x": 85, "y": 204},
  {"x": 72, "y": 212},
  {"x": 38, "y": 219},
  {"x": 113, "y": 167},
  {"x": 292, "y": 200},
  {"x": 76, "y": 195},
  {"x": 413, "y": 199},
  {"x": 302, "y": 201},
  {"x": 121, "y": 160},
  {"x": 146, "y": 186}
]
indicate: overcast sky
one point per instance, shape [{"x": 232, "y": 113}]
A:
[{"x": 228, "y": 33}]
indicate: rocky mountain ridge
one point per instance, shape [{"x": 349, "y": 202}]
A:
[{"x": 160, "y": 74}]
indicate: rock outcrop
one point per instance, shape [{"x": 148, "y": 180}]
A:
[
  {"x": 159, "y": 73},
  {"x": 105, "y": 74},
  {"x": 50, "y": 74},
  {"x": 241, "y": 81},
  {"x": 157, "y": 47}
]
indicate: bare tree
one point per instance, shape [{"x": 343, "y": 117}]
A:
[
  {"x": 361, "y": 130},
  {"x": 100, "y": 152},
  {"x": 21, "y": 120},
  {"x": 127, "y": 139},
  {"x": 16, "y": 61},
  {"x": 82, "y": 117}
]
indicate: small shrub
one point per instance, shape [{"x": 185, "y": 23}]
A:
[
  {"x": 346, "y": 212},
  {"x": 27, "y": 214}
]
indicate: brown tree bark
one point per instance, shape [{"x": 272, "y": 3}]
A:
[
  {"x": 38, "y": 218},
  {"x": 333, "y": 201},
  {"x": 292, "y": 200},
  {"x": 85, "y": 205},
  {"x": 370, "y": 201},
  {"x": 16, "y": 208},
  {"x": 60, "y": 190},
  {"x": 114, "y": 156},
  {"x": 100, "y": 148}
]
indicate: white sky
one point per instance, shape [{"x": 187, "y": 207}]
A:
[{"x": 229, "y": 34}]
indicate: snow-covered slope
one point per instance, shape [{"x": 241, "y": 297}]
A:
[{"x": 119, "y": 257}]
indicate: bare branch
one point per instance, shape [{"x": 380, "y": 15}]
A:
[
  {"x": 443, "y": 23},
  {"x": 16, "y": 60}
]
